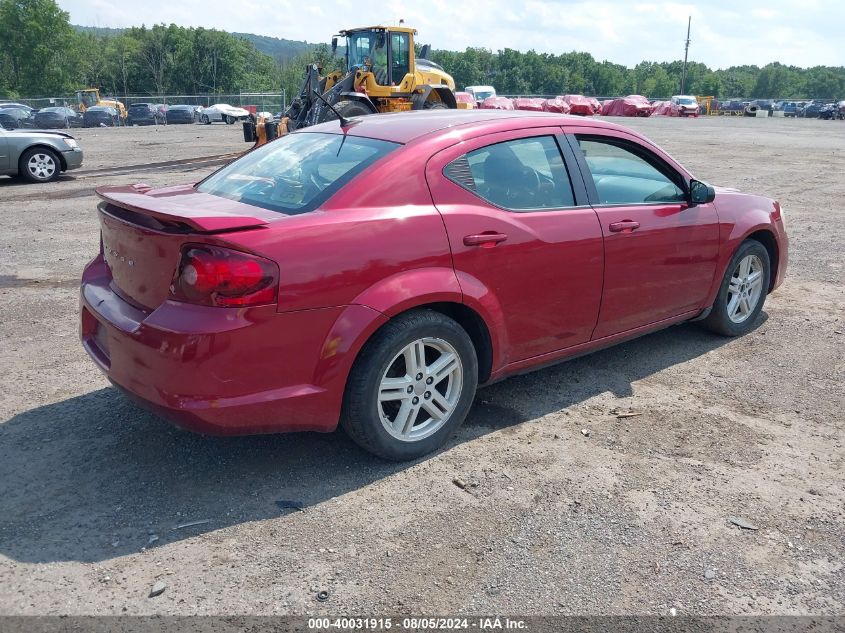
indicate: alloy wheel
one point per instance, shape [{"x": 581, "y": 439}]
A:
[
  {"x": 745, "y": 288},
  {"x": 41, "y": 166},
  {"x": 420, "y": 389}
]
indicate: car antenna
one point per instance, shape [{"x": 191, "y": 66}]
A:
[{"x": 344, "y": 122}]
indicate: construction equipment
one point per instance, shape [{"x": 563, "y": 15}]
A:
[
  {"x": 707, "y": 104},
  {"x": 90, "y": 97},
  {"x": 381, "y": 74}
]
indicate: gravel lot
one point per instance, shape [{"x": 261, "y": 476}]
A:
[{"x": 631, "y": 518}]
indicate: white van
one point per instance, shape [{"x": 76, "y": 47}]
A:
[{"x": 480, "y": 93}]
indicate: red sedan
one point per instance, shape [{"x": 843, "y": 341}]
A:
[{"x": 374, "y": 274}]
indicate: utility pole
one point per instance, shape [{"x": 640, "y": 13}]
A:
[{"x": 686, "y": 54}]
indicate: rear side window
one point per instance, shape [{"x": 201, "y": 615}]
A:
[
  {"x": 296, "y": 173},
  {"x": 623, "y": 175},
  {"x": 521, "y": 175}
]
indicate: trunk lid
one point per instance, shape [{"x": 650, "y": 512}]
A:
[{"x": 143, "y": 231}]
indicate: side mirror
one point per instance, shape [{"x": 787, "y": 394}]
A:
[
  {"x": 701, "y": 193},
  {"x": 426, "y": 49},
  {"x": 334, "y": 45}
]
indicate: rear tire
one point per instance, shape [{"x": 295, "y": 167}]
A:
[
  {"x": 435, "y": 105},
  {"x": 742, "y": 293},
  {"x": 411, "y": 386},
  {"x": 39, "y": 165}
]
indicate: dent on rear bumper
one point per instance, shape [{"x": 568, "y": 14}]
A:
[{"x": 224, "y": 371}]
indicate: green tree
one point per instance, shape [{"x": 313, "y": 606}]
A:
[{"x": 36, "y": 47}]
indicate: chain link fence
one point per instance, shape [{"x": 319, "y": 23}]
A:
[{"x": 263, "y": 101}]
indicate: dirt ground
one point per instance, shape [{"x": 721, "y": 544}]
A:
[{"x": 632, "y": 518}]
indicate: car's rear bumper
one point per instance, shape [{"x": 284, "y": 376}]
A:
[{"x": 222, "y": 371}]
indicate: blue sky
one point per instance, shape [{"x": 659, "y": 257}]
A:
[{"x": 724, "y": 33}]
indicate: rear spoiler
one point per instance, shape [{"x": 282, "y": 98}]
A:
[{"x": 170, "y": 208}]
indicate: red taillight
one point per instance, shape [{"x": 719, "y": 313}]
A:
[{"x": 216, "y": 276}]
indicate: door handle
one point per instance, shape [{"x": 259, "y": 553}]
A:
[
  {"x": 488, "y": 239},
  {"x": 625, "y": 226}
]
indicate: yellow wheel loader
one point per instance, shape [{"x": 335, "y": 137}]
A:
[
  {"x": 91, "y": 97},
  {"x": 382, "y": 74}
]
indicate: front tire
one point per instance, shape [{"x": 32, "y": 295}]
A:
[
  {"x": 347, "y": 108},
  {"x": 205, "y": 120},
  {"x": 435, "y": 105},
  {"x": 411, "y": 387},
  {"x": 743, "y": 291},
  {"x": 40, "y": 165}
]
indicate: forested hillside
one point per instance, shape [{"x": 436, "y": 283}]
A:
[{"x": 42, "y": 54}]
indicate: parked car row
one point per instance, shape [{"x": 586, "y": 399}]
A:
[
  {"x": 639, "y": 106},
  {"x": 811, "y": 109},
  {"x": 19, "y": 116}
]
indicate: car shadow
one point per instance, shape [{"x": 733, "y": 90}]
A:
[
  {"x": 20, "y": 181},
  {"x": 94, "y": 477}
]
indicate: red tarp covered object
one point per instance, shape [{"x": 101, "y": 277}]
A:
[
  {"x": 632, "y": 105},
  {"x": 557, "y": 105},
  {"x": 497, "y": 103},
  {"x": 465, "y": 97},
  {"x": 579, "y": 104},
  {"x": 595, "y": 103},
  {"x": 525, "y": 103},
  {"x": 664, "y": 108}
]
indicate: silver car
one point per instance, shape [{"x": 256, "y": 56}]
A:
[{"x": 37, "y": 155}]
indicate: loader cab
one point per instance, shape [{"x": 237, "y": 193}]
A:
[
  {"x": 87, "y": 98},
  {"x": 386, "y": 52}
]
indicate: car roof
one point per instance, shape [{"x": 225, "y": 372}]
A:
[{"x": 404, "y": 127}]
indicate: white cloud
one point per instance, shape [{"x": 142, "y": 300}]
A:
[{"x": 724, "y": 32}]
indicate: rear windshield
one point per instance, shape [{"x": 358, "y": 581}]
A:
[{"x": 296, "y": 173}]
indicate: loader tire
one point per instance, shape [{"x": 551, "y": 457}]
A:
[
  {"x": 435, "y": 105},
  {"x": 347, "y": 109}
]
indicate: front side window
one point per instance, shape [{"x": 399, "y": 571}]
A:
[
  {"x": 368, "y": 49},
  {"x": 625, "y": 176},
  {"x": 296, "y": 173},
  {"x": 359, "y": 48},
  {"x": 520, "y": 175}
]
